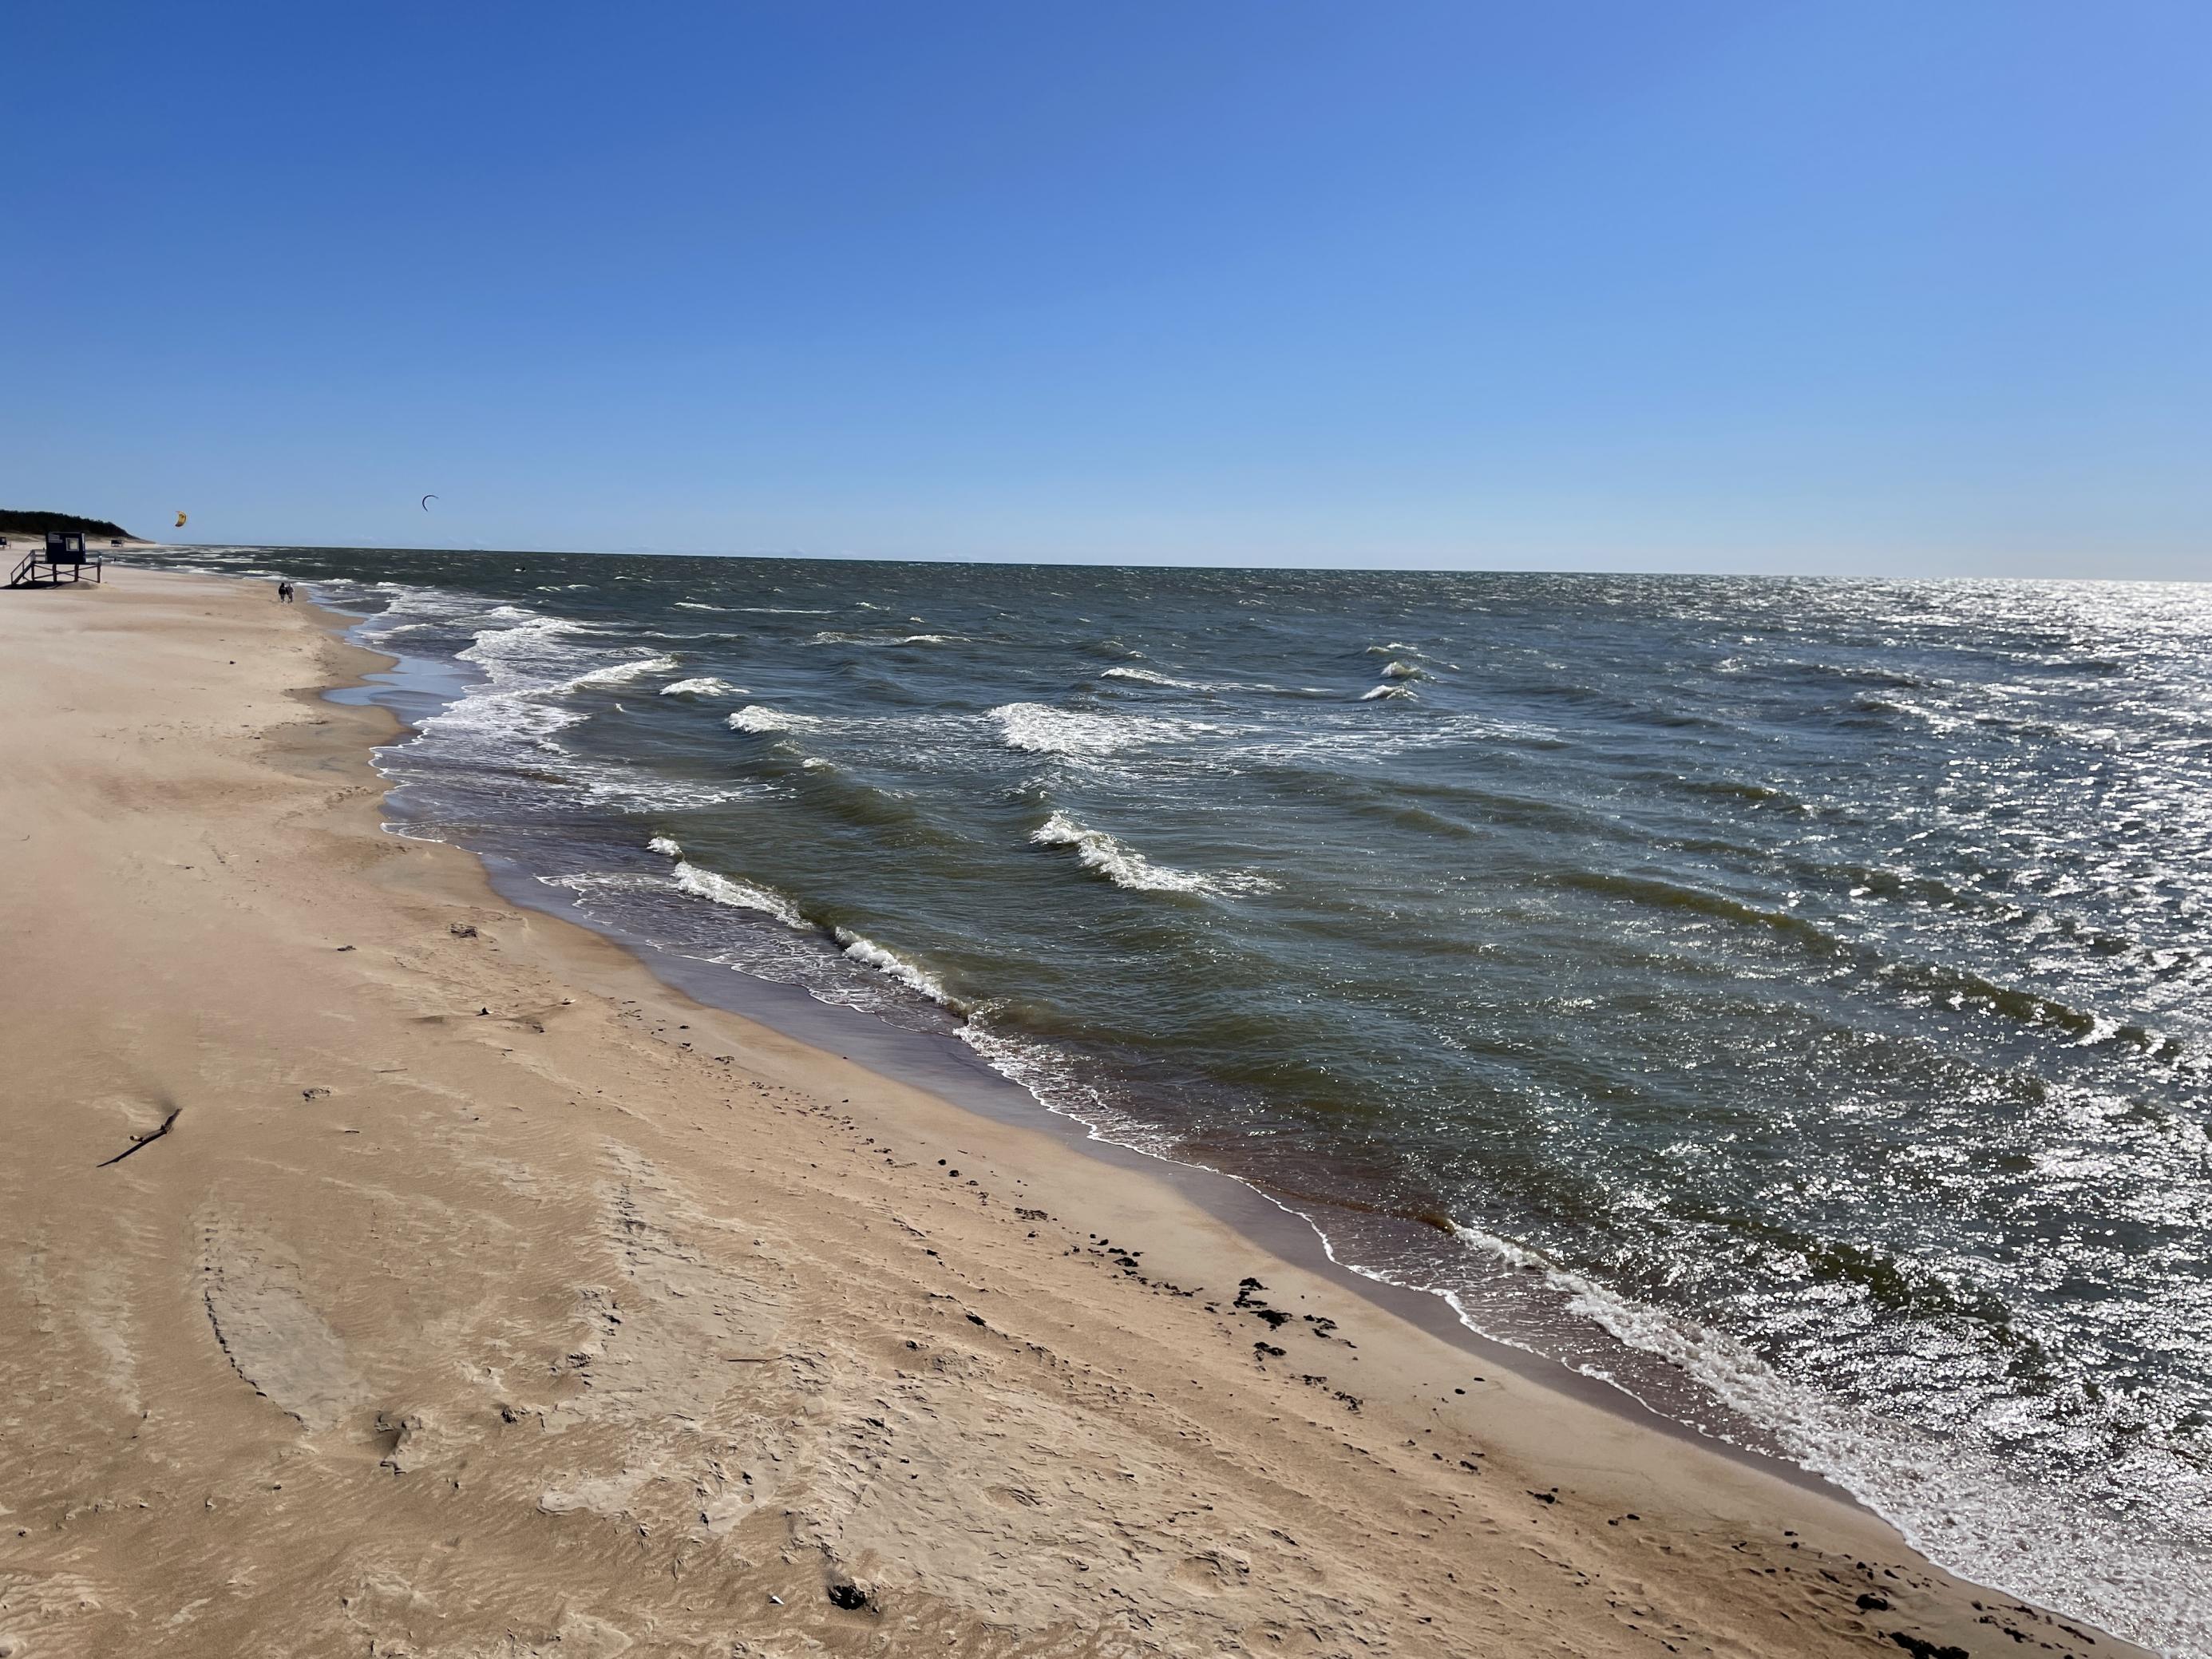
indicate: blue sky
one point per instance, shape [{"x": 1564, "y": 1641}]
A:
[{"x": 1857, "y": 287}]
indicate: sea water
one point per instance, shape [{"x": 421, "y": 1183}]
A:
[{"x": 1782, "y": 998}]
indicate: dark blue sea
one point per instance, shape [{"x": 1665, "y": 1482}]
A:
[{"x": 1784, "y": 998}]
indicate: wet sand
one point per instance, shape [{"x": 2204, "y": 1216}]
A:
[{"x": 393, "y": 1269}]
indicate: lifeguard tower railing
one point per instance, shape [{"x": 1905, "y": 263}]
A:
[{"x": 62, "y": 559}]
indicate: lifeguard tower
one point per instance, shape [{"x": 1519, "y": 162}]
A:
[{"x": 62, "y": 559}]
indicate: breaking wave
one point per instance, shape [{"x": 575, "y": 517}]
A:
[
  {"x": 705, "y": 686},
  {"x": 756, "y": 718},
  {"x": 865, "y": 951},
  {"x": 1038, "y": 729},
  {"x": 1127, "y": 867},
  {"x": 881, "y": 639},
  {"x": 738, "y": 894},
  {"x": 619, "y": 673}
]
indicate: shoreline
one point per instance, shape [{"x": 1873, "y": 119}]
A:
[
  {"x": 949, "y": 1071},
  {"x": 952, "y": 1071},
  {"x": 1619, "y": 1516}
]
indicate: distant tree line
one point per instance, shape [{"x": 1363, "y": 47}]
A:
[{"x": 14, "y": 521}]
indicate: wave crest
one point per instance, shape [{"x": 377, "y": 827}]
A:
[
  {"x": 1036, "y": 728},
  {"x": 1145, "y": 676},
  {"x": 1127, "y": 867},
  {"x": 705, "y": 686},
  {"x": 738, "y": 894},
  {"x": 864, "y": 950},
  {"x": 835, "y": 638},
  {"x": 620, "y": 674},
  {"x": 757, "y": 718}
]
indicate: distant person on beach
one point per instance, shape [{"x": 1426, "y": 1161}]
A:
[{"x": 284, "y": 591}]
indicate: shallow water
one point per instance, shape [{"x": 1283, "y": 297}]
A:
[{"x": 1783, "y": 998}]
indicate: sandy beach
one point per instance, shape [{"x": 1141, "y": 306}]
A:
[{"x": 389, "y": 1270}]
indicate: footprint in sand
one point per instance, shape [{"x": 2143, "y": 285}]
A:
[{"x": 274, "y": 1338}]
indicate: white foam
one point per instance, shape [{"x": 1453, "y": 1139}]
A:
[
  {"x": 525, "y": 659},
  {"x": 637, "y": 789},
  {"x": 618, "y": 673},
  {"x": 1386, "y": 692},
  {"x": 596, "y": 881},
  {"x": 1397, "y": 668},
  {"x": 739, "y": 895},
  {"x": 865, "y": 951},
  {"x": 1955, "y": 1503},
  {"x": 1127, "y": 867},
  {"x": 1037, "y": 729},
  {"x": 706, "y": 686},
  {"x": 1145, "y": 676},
  {"x": 693, "y": 604},
  {"x": 835, "y": 638},
  {"x": 1062, "y": 1083},
  {"x": 757, "y": 718},
  {"x": 667, "y": 846}
]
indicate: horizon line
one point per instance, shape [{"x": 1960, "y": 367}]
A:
[{"x": 1101, "y": 564}]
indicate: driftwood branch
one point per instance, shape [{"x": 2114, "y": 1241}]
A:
[{"x": 146, "y": 1140}]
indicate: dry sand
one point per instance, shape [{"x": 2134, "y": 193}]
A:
[{"x": 484, "y": 1297}]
